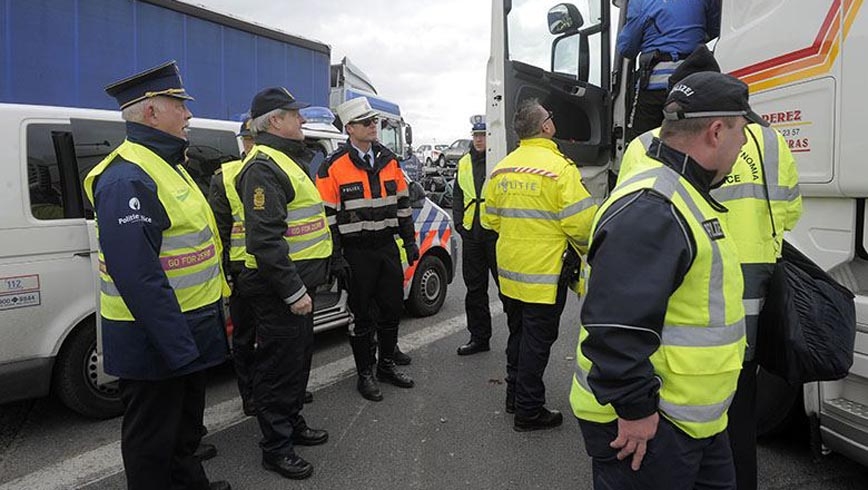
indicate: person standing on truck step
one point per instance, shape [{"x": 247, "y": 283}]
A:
[
  {"x": 161, "y": 283},
  {"x": 666, "y": 368},
  {"x": 763, "y": 200},
  {"x": 661, "y": 34},
  {"x": 537, "y": 204},
  {"x": 288, "y": 245},
  {"x": 367, "y": 203},
  {"x": 477, "y": 243}
]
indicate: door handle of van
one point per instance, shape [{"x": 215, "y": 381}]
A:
[{"x": 82, "y": 254}]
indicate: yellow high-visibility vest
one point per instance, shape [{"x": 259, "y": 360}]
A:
[
  {"x": 307, "y": 232},
  {"x": 237, "y": 248},
  {"x": 468, "y": 188},
  {"x": 190, "y": 250},
  {"x": 703, "y": 339}
]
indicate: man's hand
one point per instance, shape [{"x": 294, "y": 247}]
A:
[
  {"x": 633, "y": 437},
  {"x": 341, "y": 271},
  {"x": 302, "y": 306},
  {"x": 412, "y": 254}
]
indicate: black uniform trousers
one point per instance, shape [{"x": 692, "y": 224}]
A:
[
  {"x": 648, "y": 113},
  {"x": 284, "y": 349},
  {"x": 161, "y": 430},
  {"x": 742, "y": 427},
  {"x": 533, "y": 328},
  {"x": 243, "y": 336},
  {"x": 478, "y": 260},
  {"x": 376, "y": 298},
  {"x": 673, "y": 460}
]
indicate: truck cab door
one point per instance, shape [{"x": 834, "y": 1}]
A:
[{"x": 559, "y": 54}]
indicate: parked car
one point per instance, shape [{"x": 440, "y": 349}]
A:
[
  {"x": 454, "y": 153},
  {"x": 429, "y": 155}
]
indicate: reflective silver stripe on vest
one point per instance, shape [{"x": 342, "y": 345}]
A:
[
  {"x": 529, "y": 278},
  {"x": 296, "y": 247},
  {"x": 753, "y": 306},
  {"x": 576, "y": 208},
  {"x": 524, "y": 213},
  {"x": 237, "y": 218},
  {"x": 754, "y": 191},
  {"x": 770, "y": 156},
  {"x": 371, "y": 203},
  {"x": 581, "y": 377},
  {"x": 368, "y": 225},
  {"x": 179, "y": 282},
  {"x": 702, "y": 336},
  {"x": 695, "y": 413},
  {"x": 238, "y": 242},
  {"x": 189, "y": 240},
  {"x": 331, "y": 220},
  {"x": 405, "y": 212},
  {"x": 646, "y": 138},
  {"x": 305, "y": 212}
]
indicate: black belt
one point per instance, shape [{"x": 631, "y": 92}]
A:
[{"x": 668, "y": 56}]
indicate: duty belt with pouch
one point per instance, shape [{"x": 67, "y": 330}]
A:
[{"x": 646, "y": 65}]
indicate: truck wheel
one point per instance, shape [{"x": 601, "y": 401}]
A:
[
  {"x": 778, "y": 404},
  {"x": 75, "y": 377},
  {"x": 441, "y": 162},
  {"x": 429, "y": 287}
]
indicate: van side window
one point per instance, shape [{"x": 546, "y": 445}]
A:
[
  {"x": 94, "y": 140},
  {"x": 45, "y": 186}
]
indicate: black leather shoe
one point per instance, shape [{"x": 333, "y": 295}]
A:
[
  {"x": 473, "y": 347},
  {"x": 510, "y": 402},
  {"x": 291, "y": 466},
  {"x": 368, "y": 387},
  {"x": 305, "y": 436},
  {"x": 400, "y": 358},
  {"x": 386, "y": 372},
  {"x": 544, "y": 419},
  {"x": 308, "y": 397},
  {"x": 219, "y": 485},
  {"x": 205, "y": 451}
]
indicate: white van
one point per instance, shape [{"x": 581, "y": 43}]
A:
[{"x": 48, "y": 339}]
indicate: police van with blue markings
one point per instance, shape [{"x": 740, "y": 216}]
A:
[{"x": 48, "y": 281}]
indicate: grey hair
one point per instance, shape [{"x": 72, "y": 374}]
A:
[
  {"x": 136, "y": 112},
  {"x": 261, "y": 124},
  {"x": 528, "y": 118}
]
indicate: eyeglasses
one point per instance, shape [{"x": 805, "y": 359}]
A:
[
  {"x": 551, "y": 115},
  {"x": 367, "y": 122}
]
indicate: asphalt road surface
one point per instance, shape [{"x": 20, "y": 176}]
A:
[{"x": 449, "y": 432}]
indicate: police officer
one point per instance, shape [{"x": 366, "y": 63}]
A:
[
  {"x": 160, "y": 283},
  {"x": 368, "y": 203},
  {"x": 666, "y": 368},
  {"x": 664, "y": 33},
  {"x": 288, "y": 245},
  {"x": 537, "y": 204},
  {"x": 477, "y": 243}
]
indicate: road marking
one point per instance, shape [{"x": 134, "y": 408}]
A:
[{"x": 105, "y": 461}]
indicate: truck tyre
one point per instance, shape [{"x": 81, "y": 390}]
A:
[
  {"x": 778, "y": 404},
  {"x": 428, "y": 291},
  {"x": 75, "y": 377},
  {"x": 441, "y": 162}
]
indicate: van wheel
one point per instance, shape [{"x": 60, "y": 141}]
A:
[
  {"x": 778, "y": 405},
  {"x": 75, "y": 377},
  {"x": 428, "y": 291}
]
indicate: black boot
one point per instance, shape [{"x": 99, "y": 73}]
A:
[
  {"x": 544, "y": 419},
  {"x": 368, "y": 387},
  {"x": 290, "y": 466},
  {"x": 473, "y": 347},
  {"x": 400, "y": 358},
  {"x": 302, "y": 435},
  {"x": 205, "y": 451},
  {"x": 386, "y": 372}
]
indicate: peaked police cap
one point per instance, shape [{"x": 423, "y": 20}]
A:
[{"x": 164, "y": 80}]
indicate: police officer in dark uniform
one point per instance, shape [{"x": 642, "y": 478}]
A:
[
  {"x": 161, "y": 283},
  {"x": 478, "y": 244},
  {"x": 288, "y": 245}
]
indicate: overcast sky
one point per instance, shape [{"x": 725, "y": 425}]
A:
[{"x": 428, "y": 56}]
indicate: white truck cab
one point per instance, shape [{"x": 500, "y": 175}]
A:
[{"x": 803, "y": 61}]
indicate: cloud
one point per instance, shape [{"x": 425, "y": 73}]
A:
[{"x": 429, "y": 57}]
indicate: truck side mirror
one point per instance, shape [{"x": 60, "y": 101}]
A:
[
  {"x": 564, "y": 18},
  {"x": 408, "y": 134}
]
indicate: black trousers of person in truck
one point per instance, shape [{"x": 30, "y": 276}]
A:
[
  {"x": 284, "y": 350},
  {"x": 533, "y": 328},
  {"x": 377, "y": 279}
]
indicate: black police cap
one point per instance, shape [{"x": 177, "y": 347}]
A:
[
  {"x": 274, "y": 98},
  {"x": 710, "y": 94},
  {"x": 159, "y": 80}
]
